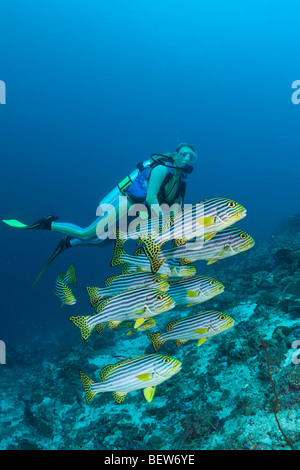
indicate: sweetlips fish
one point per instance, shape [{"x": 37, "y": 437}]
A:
[
  {"x": 200, "y": 326},
  {"x": 142, "y": 372},
  {"x": 136, "y": 304},
  {"x": 226, "y": 243},
  {"x": 202, "y": 220},
  {"x": 171, "y": 268},
  {"x": 62, "y": 289},
  {"x": 117, "y": 284},
  {"x": 194, "y": 290}
]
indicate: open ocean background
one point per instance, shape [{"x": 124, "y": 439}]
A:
[{"x": 93, "y": 88}]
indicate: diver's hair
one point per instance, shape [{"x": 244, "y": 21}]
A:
[{"x": 184, "y": 144}]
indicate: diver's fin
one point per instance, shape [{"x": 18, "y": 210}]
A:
[
  {"x": 41, "y": 224},
  {"x": 62, "y": 246},
  {"x": 14, "y": 223}
]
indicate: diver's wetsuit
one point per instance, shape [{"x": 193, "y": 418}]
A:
[{"x": 136, "y": 193}]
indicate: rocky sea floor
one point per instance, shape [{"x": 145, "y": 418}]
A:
[{"x": 221, "y": 399}]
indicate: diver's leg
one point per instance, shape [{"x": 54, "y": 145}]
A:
[
  {"x": 101, "y": 228},
  {"x": 110, "y": 204},
  {"x": 67, "y": 241},
  {"x": 74, "y": 231}
]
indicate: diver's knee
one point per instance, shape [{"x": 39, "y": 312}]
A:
[{"x": 85, "y": 236}]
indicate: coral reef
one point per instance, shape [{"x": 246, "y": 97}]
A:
[{"x": 221, "y": 399}]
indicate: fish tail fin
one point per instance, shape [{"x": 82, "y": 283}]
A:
[
  {"x": 152, "y": 250},
  {"x": 94, "y": 295},
  {"x": 125, "y": 268},
  {"x": 86, "y": 382},
  {"x": 154, "y": 338},
  {"x": 71, "y": 273},
  {"x": 118, "y": 250},
  {"x": 81, "y": 323}
]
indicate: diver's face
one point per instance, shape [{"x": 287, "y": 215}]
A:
[{"x": 184, "y": 157}]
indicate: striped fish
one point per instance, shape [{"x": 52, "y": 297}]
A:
[
  {"x": 62, "y": 289},
  {"x": 171, "y": 268},
  {"x": 194, "y": 290},
  {"x": 200, "y": 326},
  {"x": 142, "y": 372},
  {"x": 203, "y": 220},
  {"x": 137, "y": 304},
  {"x": 226, "y": 243},
  {"x": 117, "y": 284}
]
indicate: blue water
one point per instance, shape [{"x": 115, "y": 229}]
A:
[{"x": 95, "y": 87}]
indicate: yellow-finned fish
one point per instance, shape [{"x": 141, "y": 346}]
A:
[
  {"x": 62, "y": 289},
  {"x": 172, "y": 268},
  {"x": 200, "y": 326},
  {"x": 142, "y": 372},
  {"x": 228, "y": 242},
  {"x": 202, "y": 220},
  {"x": 136, "y": 304},
  {"x": 194, "y": 290},
  {"x": 117, "y": 284}
]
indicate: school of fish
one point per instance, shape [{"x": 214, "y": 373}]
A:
[{"x": 153, "y": 281}]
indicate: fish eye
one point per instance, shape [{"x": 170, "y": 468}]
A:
[
  {"x": 159, "y": 297},
  {"x": 231, "y": 204},
  {"x": 242, "y": 235},
  {"x": 167, "y": 359},
  {"x": 212, "y": 283},
  {"x": 156, "y": 279},
  {"x": 222, "y": 317}
]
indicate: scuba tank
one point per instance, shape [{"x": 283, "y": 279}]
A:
[
  {"x": 142, "y": 169},
  {"x": 121, "y": 188}
]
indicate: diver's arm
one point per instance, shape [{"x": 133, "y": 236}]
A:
[{"x": 157, "y": 177}]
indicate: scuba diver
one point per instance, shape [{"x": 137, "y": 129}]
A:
[{"x": 159, "y": 180}]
